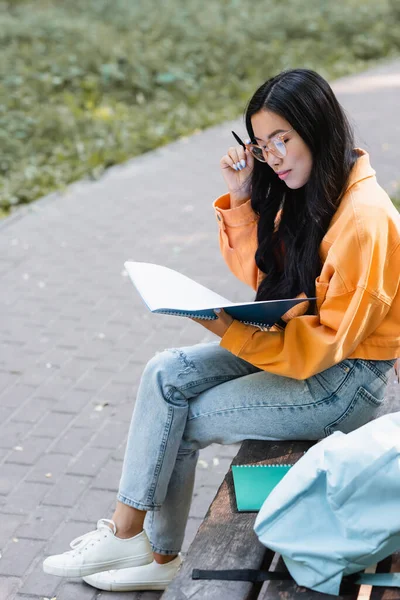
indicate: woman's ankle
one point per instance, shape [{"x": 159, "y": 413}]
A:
[
  {"x": 128, "y": 520},
  {"x": 126, "y": 533},
  {"x": 163, "y": 559}
]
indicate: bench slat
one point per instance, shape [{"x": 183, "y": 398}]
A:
[
  {"x": 288, "y": 590},
  {"x": 226, "y": 539}
]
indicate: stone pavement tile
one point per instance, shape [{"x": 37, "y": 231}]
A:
[
  {"x": 67, "y": 491},
  {"x": 191, "y": 529},
  {"x": 229, "y": 450},
  {"x": 94, "y": 380},
  {"x": 7, "y": 380},
  {"x": 9, "y": 525},
  {"x": 97, "y": 348},
  {"x": 111, "y": 330},
  {"x": 150, "y": 595},
  {"x": 116, "y": 392},
  {"x": 202, "y": 498},
  {"x": 129, "y": 374},
  {"x": 29, "y": 452},
  {"x": 32, "y": 410},
  {"x": 52, "y": 424},
  {"x": 39, "y": 583},
  {"x": 55, "y": 359},
  {"x": 111, "y": 435},
  {"x": 114, "y": 360},
  {"x": 72, "y": 440},
  {"x": 77, "y": 367},
  {"x": 68, "y": 531},
  {"x": 119, "y": 452},
  {"x": 10, "y": 476},
  {"x": 8, "y": 587},
  {"x": 55, "y": 386},
  {"x": 36, "y": 376},
  {"x": 79, "y": 590},
  {"x": 89, "y": 462},
  {"x": 94, "y": 505},
  {"x": 73, "y": 401},
  {"x": 49, "y": 468},
  {"x": 120, "y": 410},
  {"x": 18, "y": 556},
  {"x": 212, "y": 472},
  {"x": 109, "y": 476},
  {"x": 95, "y": 413},
  {"x": 41, "y": 523},
  {"x": 13, "y": 434},
  {"x": 16, "y": 395},
  {"x": 26, "y": 497},
  {"x": 5, "y": 413}
]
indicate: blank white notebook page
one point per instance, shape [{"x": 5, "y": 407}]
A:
[{"x": 161, "y": 287}]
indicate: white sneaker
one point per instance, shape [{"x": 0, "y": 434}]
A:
[
  {"x": 100, "y": 550},
  {"x": 148, "y": 577}
]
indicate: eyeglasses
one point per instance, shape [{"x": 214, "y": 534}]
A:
[{"x": 276, "y": 146}]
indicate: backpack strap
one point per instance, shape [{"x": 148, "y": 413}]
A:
[
  {"x": 257, "y": 576},
  {"x": 253, "y": 575}
]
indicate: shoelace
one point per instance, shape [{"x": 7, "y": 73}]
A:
[{"x": 80, "y": 542}]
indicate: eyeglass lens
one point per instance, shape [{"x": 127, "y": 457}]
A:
[{"x": 277, "y": 147}]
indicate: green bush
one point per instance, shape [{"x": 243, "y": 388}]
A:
[{"x": 85, "y": 85}]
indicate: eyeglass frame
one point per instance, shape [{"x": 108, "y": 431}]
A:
[{"x": 279, "y": 137}]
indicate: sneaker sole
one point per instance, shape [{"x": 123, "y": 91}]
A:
[
  {"x": 130, "y": 587},
  {"x": 122, "y": 563}
]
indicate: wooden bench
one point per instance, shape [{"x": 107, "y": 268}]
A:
[{"x": 226, "y": 540}]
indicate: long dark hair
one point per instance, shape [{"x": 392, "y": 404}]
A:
[{"x": 307, "y": 102}]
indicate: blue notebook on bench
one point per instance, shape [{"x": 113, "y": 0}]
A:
[
  {"x": 253, "y": 483},
  {"x": 166, "y": 291}
]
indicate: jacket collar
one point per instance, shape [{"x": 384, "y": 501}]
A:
[{"x": 362, "y": 169}]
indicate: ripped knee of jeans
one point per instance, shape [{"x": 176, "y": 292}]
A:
[{"x": 187, "y": 366}]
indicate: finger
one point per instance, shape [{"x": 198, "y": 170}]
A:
[
  {"x": 228, "y": 163},
  {"x": 249, "y": 158},
  {"x": 238, "y": 156}
]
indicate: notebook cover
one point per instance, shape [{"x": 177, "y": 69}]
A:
[
  {"x": 169, "y": 292},
  {"x": 253, "y": 483}
]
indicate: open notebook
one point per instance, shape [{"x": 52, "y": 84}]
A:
[{"x": 168, "y": 292}]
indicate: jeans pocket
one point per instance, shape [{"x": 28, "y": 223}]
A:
[
  {"x": 380, "y": 368},
  {"x": 359, "y": 411},
  {"x": 333, "y": 378}
]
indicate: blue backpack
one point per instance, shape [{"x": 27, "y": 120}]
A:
[
  {"x": 337, "y": 510},
  {"x": 335, "y": 513}
]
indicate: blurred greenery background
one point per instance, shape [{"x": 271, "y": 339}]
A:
[{"x": 85, "y": 85}]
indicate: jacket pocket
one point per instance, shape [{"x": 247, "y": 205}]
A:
[{"x": 360, "y": 411}]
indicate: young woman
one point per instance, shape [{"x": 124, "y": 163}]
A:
[{"x": 303, "y": 216}]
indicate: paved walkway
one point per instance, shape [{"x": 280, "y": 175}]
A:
[{"x": 75, "y": 337}]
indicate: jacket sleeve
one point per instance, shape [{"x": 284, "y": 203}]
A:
[
  {"x": 238, "y": 238},
  {"x": 353, "y": 298}
]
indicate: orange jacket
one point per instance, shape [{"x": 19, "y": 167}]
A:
[{"x": 358, "y": 295}]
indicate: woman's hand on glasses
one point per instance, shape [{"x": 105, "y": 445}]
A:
[{"x": 237, "y": 166}]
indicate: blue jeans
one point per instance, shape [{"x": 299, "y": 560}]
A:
[{"x": 191, "y": 397}]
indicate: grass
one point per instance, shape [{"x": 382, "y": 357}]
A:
[
  {"x": 85, "y": 85},
  {"x": 396, "y": 202}
]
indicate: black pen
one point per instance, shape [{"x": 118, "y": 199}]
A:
[{"x": 237, "y": 138}]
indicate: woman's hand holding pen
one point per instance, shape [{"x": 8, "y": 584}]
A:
[{"x": 237, "y": 166}]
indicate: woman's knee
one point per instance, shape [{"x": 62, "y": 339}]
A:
[
  {"x": 163, "y": 371},
  {"x": 172, "y": 362},
  {"x": 160, "y": 364}
]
